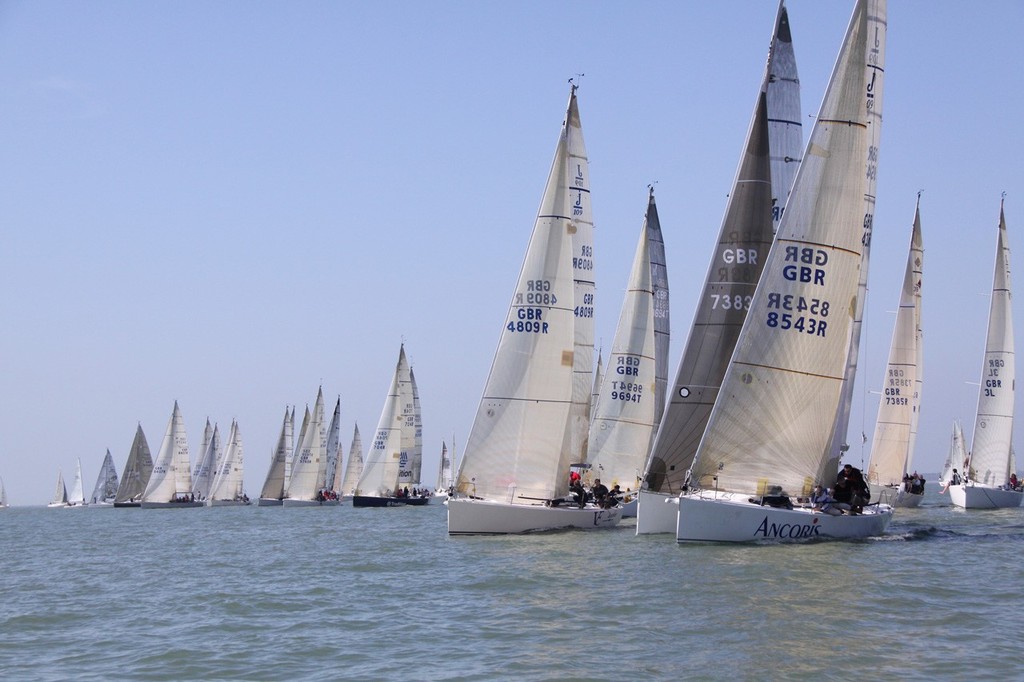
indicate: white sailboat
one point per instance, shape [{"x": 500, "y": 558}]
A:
[
  {"x": 273, "y": 486},
  {"x": 353, "y": 467},
  {"x": 333, "y": 451},
  {"x": 60, "y": 495},
  {"x": 416, "y": 458},
  {"x": 228, "y": 487},
  {"x": 445, "y": 472},
  {"x": 77, "y": 496},
  {"x": 985, "y": 485},
  {"x": 170, "y": 485},
  {"x": 769, "y": 435},
  {"x": 387, "y": 469},
  {"x": 761, "y": 188},
  {"x": 136, "y": 474},
  {"x": 527, "y": 431},
  {"x": 309, "y": 467},
  {"x": 899, "y": 404},
  {"x": 625, "y": 420},
  {"x": 956, "y": 461},
  {"x": 209, "y": 460},
  {"x": 105, "y": 490},
  {"x": 3, "y": 495}
]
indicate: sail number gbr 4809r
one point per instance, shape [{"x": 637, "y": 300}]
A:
[
  {"x": 531, "y": 320},
  {"x": 799, "y": 313}
]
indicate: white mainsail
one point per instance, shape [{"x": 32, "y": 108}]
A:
[
  {"x": 416, "y": 461},
  {"x": 229, "y": 481},
  {"x": 171, "y": 479},
  {"x": 383, "y": 464},
  {"x": 3, "y": 495},
  {"x": 595, "y": 395},
  {"x": 993, "y": 425},
  {"x": 333, "y": 448},
  {"x": 354, "y": 466},
  {"x": 744, "y": 239},
  {"x": 77, "y": 496},
  {"x": 137, "y": 471},
  {"x": 105, "y": 489},
  {"x": 206, "y": 468},
  {"x": 897, "y": 407},
  {"x": 273, "y": 486},
  {"x": 780, "y": 396},
  {"x": 957, "y": 456},
  {"x": 444, "y": 470},
  {"x": 407, "y": 434},
  {"x": 624, "y": 424},
  {"x": 309, "y": 464}
]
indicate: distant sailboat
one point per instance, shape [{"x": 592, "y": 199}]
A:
[
  {"x": 273, "y": 486},
  {"x": 386, "y": 470},
  {"x": 228, "y": 487},
  {"x": 956, "y": 460},
  {"x": 210, "y": 458},
  {"x": 416, "y": 458},
  {"x": 105, "y": 491},
  {"x": 60, "y": 495},
  {"x": 136, "y": 474},
  {"x": 769, "y": 435},
  {"x": 445, "y": 471},
  {"x": 77, "y": 496},
  {"x": 899, "y": 404},
  {"x": 3, "y": 495},
  {"x": 333, "y": 450},
  {"x": 170, "y": 485},
  {"x": 985, "y": 485},
  {"x": 354, "y": 466},
  {"x": 309, "y": 467},
  {"x": 761, "y": 187},
  {"x": 628, "y": 406},
  {"x": 532, "y": 423}
]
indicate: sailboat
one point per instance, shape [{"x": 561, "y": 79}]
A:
[
  {"x": 170, "y": 485},
  {"x": 531, "y": 423},
  {"x": 77, "y": 496},
  {"x": 416, "y": 459},
  {"x": 956, "y": 459},
  {"x": 228, "y": 487},
  {"x": 105, "y": 490},
  {"x": 354, "y": 466},
  {"x": 899, "y": 405},
  {"x": 210, "y": 456},
  {"x": 60, "y": 495},
  {"x": 136, "y": 474},
  {"x": 445, "y": 471},
  {"x": 760, "y": 191},
  {"x": 3, "y": 495},
  {"x": 985, "y": 485},
  {"x": 387, "y": 468},
  {"x": 273, "y": 486},
  {"x": 333, "y": 451},
  {"x": 309, "y": 467},
  {"x": 769, "y": 436},
  {"x": 625, "y": 419}
]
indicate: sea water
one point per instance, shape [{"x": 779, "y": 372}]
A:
[{"x": 257, "y": 593}]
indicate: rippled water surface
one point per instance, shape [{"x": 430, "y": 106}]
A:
[{"x": 342, "y": 593}]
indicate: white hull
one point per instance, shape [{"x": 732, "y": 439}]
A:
[
  {"x": 481, "y": 517},
  {"x": 629, "y": 509},
  {"x": 909, "y": 500},
  {"x": 268, "y": 502},
  {"x": 706, "y": 517},
  {"x": 288, "y": 502},
  {"x": 227, "y": 503},
  {"x": 56, "y": 505},
  {"x": 897, "y": 496},
  {"x": 656, "y": 513},
  {"x": 170, "y": 505},
  {"x": 983, "y": 497}
]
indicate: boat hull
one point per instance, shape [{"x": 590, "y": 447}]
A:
[
  {"x": 288, "y": 502},
  {"x": 898, "y": 497},
  {"x": 629, "y": 509},
  {"x": 122, "y": 505},
  {"x": 482, "y": 517},
  {"x": 732, "y": 518},
  {"x": 268, "y": 502},
  {"x": 656, "y": 513},
  {"x": 227, "y": 503},
  {"x": 371, "y": 501},
  {"x": 170, "y": 505},
  {"x": 983, "y": 497}
]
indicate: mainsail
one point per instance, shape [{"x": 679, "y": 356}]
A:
[
  {"x": 309, "y": 464},
  {"x": 333, "y": 447},
  {"x": 381, "y": 469},
  {"x": 228, "y": 482},
  {"x": 171, "y": 478},
  {"x": 106, "y": 483},
  {"x": 137, "y": 470},
  {"x": 273, "y": 486},
  {"x": 354, "y": 466}
]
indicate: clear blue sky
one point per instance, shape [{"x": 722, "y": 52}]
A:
[{"x": 230, "y": 203}]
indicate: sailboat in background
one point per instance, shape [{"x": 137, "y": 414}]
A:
[
  {"x": 761, "y": 188},
  {"x": 625, "y": 419},
  {"x": 77, "y": 496},
  {"x": 445, "y": 471},
  {"x": 985, "y": 481},
  {"x": 210, "y": 457},
  {"x": 136, "y": 474},
  {"x": 899, "y": 404},
  {"x": 387, "y": 468},
  {"x": 273, "y": 486},
  {"x": 416, "y": 459},
  {"x": 531, "y": 424},
  {"x": 170, "y": 485},
  {"x": 354, "y": 466},
  {"x": 769, "y": 434},
  {"x": 3, "y": 495},
  {"x": 228, "y": 487},
  {"x": 309, "y": 466},
  {"x": 333, "y": 451},
  {"x": 957, "y": 458},
  {"x": 105, "y": 490},
  {"x": 60, "y": 495}
]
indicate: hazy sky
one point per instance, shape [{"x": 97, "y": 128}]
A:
[{"x": 229, "y": 204}]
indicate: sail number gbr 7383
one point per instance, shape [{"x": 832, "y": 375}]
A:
[{"x": 793, "y": 312}]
